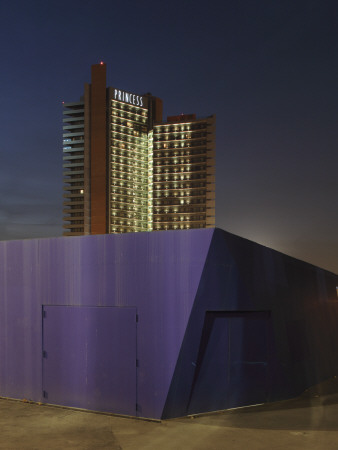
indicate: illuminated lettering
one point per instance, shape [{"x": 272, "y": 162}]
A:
[{"x": 126, "y": 97}]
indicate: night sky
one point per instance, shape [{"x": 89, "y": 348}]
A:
[{"x": 268, "y": 69}]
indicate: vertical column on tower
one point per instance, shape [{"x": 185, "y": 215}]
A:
[{"x": 98, "y": 156}]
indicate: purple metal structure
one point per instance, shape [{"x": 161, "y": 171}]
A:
[
  {"x": 86, "y": 344},
  {"x": 161, "y": 324}
]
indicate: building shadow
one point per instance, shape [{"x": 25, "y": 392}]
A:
[{"x": 316, "y": 409}]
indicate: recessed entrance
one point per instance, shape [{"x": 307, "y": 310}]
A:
[{"x": 232, "y": 364}]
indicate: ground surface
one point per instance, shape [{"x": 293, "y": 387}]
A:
[{"x": 309, "y": 422}]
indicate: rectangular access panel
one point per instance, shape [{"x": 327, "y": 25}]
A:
[{"x": 89, "y": 357}]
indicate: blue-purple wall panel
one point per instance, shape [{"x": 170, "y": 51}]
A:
[
  {"x": 89, "y": 357},
  {"x": 20, "y": 321},
  {"x": 242, "y": 277},
  {"x": 157, "y": 273},
  {"x": 205, "y": 301}
]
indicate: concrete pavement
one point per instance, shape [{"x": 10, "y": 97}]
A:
[{"x": 308, "y": 422}]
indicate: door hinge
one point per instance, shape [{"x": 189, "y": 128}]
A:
[
  {"x": 44, "y": 354},
  {"x": 137, "y": 363},
  {"x": 136, "y": 318},
  {"x": 45, "y": 394},
  {"x": 44, "y": 313}
]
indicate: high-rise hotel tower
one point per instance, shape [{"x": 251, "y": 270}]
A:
[{"x": 125, "y": 170}]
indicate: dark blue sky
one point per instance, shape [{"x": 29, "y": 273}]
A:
[{"x": 268, "y": 69}]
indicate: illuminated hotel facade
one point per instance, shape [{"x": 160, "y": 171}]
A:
[{"x": 125, "y": 170}]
